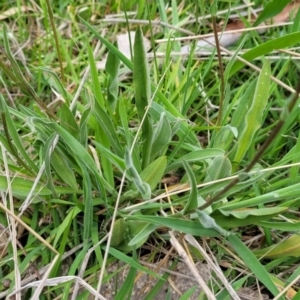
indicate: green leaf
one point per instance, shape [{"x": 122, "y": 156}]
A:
[
  {"x": 66, "y": 224},
  {"x": 220, "y": 167},
  {"x": 130, "y": 261},
  {"x": 195, "y": 157},
  {"x": 68, "y": 121},
  {"x": 14, "y": 135},
  {"x": 88, "y": 205},
  {"x": 142, "y": 187},
  {"x": 142, "y": 93},
  {"x": 245, "y": 101},
  {"x": 271, "y": 10},
  {"x": 224, "y": 137},
  {"x": 21, "y": 187},
  {"x": 285, "y": 41},
  {"x": 112, "y": 68},
  {"x": 154, "y": 172},
  {"x": 61, "y": 166},
  {"x": 242, "y": 214},
  {"x": 252, "y": 263},
  {"x": 279, "y": 194},
  {"x": 140, "y": 232},
  {"x": 285, "y": 248},
  {"x": 193, "y": 228},
  {"x": 118, "y": 234},
  {"x": 208, "y": 222},
  {"x": 253, "y": 118},
  {"x": 125, "y": 291},
  {"x": 283, "y": 226},
  {"x": 162, "y": 135},
  {"x": 192, "y": 202}
]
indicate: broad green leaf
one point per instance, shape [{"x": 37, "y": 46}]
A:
[
  {"x": 286, "y": 247},
  {"x": 118, "y": 234},
  {"x": 112, "y": 68},
  {"x": 252, "y": 263},
  {"x": 220, "y": 167},
  {"x": 253, "y": 118},
  {"x": 282, "y": 42},
  {"x": 195, "y": 157},
  {"x": 142, "y": 93},
  {"x": 272, "y": 9},
  {"x": 154, "y": 172},
  {"x": 61, "y": 166}
]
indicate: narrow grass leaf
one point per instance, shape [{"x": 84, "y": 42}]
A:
[
  {"x": 127, "y": 286},
  {"x": 67, "y": 220},
  {"x": 140, "y": 233},
  {"x": 285, "y": 41},
  {"x": 252, "y": 263},
  {"x": 109, "y": 129},
  {"x": 253, "y": 118},
  {"x": 88, "y": 205},
  {"x": 155, "y": 290},
  {"x": 283, "y": 226},
  {"x": 285, "y": 248},
  {"x": 113, "y": 158},
  {"x": 14, "y": 135},
  {"x": 279, "y": 194},
  {"x": 130, "y": 261},
  {"x": 272, "y": 9}
]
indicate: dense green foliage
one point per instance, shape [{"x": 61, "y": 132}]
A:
[{"x": 100, "y": 166}]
